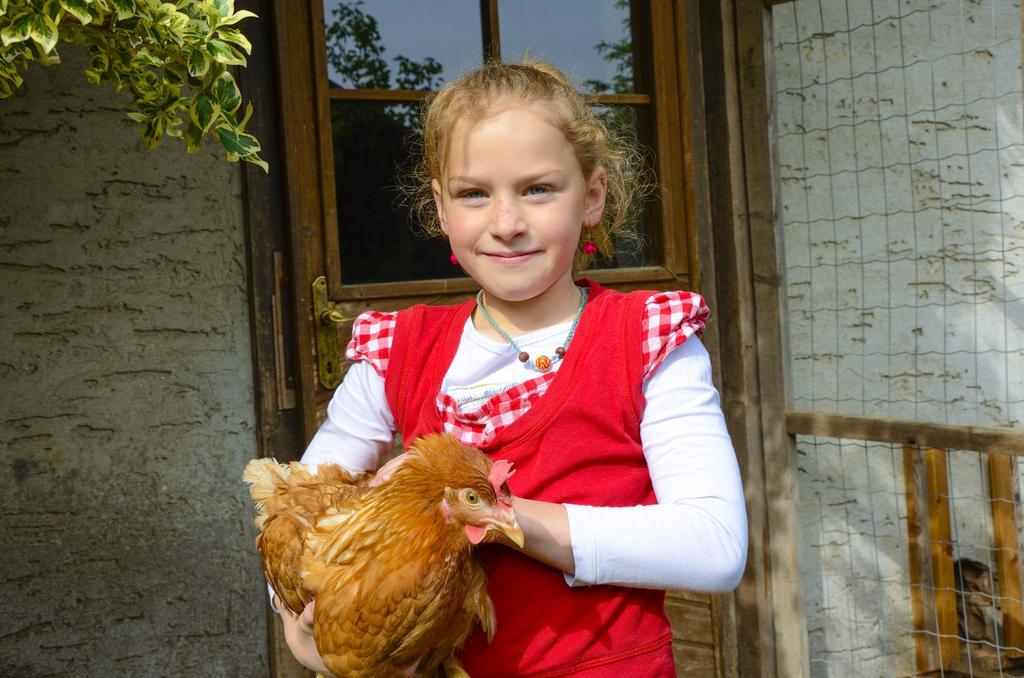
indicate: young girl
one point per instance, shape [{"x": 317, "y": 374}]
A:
[{"x": 626, "y": 481}]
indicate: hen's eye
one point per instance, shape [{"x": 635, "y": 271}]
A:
[{"x": 472, "y": 497}]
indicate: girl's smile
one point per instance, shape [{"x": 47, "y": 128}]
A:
[
  {"x": 513, "y": 203},
  {"x": 510, "y": 258}
]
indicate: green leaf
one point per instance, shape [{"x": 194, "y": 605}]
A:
[
  {"x": 203, "y": 111},
  {"x": 47, "y": 58},
  {"x": 259, "y": 162},
  {"x": 237, "y": 142},
  {"x": 176, "y": 21},
  {"x": 125, "y": 8},
  {"x": 3, "y": 7},
  {"x": 143, "y": 59},
  {"x": 9, "y": 81},
  {"x": 137, "y": 117},
  {"x": 18, "y": 29},
  {"x": 52, "y": 9},
  {"x": 236, "y": 17},
  {"x": 225, "y": 7},
  {"x": 193, "y": 137},
  {"x": 198, "y": 63},
  {"x": 76, "y": 8},
  {"x": 234, "y": 35},
  {"x": 44, "y": 32},
  {"x": 152, "y": 132},
  {"x": 174, "y": 76},
  {"x": 224, "y": 53},
  {"x": 100, "y": 61},
  {"x": 245, "y": 118},
  {"x": 225, "y": 91}
]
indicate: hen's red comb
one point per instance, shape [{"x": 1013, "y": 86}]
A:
[{"x": 500, "y": 472}]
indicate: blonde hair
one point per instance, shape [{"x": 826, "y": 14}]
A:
[{"x": 487, "y": 90}]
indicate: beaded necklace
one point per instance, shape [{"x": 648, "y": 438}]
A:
[{"x": 542, "y": 363}]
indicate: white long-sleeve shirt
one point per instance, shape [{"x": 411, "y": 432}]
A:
[{"x": 694, "y": 538}]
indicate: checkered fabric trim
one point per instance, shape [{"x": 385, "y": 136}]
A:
[
  {"x": 671, "y": 318},
  {"x": 372, "y": 332},
  {"x": 479, "y": 425}
]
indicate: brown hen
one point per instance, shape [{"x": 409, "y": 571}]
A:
[{"x": 391, "y": 567}]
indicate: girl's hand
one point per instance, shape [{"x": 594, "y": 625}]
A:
[
  {"x": 298, "y": 633},
  {"x": 385, "y": 471}
]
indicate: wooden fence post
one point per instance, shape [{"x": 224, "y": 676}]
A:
[
  {"x": 1000, "y": 474},
  {"x": 930, "y": 556}
]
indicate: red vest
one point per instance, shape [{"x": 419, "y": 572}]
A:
[{"x": 579, "y": 444}]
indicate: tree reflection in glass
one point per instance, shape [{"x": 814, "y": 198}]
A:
[{"x": 372, "y": 142}]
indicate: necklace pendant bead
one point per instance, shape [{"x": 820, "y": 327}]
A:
[{"x": 543, "y": 363}]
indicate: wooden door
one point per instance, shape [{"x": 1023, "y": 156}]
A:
[{"x": 352, "y": 77}]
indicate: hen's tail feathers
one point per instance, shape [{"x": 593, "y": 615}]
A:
[
  {"x": 270, "y": 481},
  {"x": 266, "y": 476}
]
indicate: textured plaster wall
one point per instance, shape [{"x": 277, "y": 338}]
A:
[
  {"x": 901, "y": 168},
  {"x": 126, "y": 397}
]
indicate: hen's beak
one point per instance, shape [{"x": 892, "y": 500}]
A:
[{"x": 507, "y": 523}]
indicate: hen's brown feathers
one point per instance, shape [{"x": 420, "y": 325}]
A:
[{"x": 390, "y": 567}]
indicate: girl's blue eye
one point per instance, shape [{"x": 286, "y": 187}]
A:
[
  {"x": 537, "y": 190},
  {"x": 471, "y": 194}
]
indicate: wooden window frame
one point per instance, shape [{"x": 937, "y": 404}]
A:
[{"x": 672, "y": 235}]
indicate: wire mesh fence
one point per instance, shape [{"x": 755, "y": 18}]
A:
[
  {"x": 900, "y": 150},
  {"x": 911, "y": 560},
  {"x": 901, "y": 172}
]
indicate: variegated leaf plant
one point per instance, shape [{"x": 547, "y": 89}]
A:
[{"x": 174, "y": 58}]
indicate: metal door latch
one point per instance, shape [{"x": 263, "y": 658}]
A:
[{"x": 326, "y": 318}]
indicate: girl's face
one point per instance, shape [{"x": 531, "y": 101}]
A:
[{"x": 513, "y": 201}]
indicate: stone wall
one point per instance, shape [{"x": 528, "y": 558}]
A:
[{"x": 126, "y": 396}]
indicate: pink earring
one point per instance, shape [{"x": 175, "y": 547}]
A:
[
  {"x": 454, "y": 259},
  {"x": 589, "y": 246}
]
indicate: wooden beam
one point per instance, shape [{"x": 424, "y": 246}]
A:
[
  {"x": 490, "y": 29},
  {"x": 727, "y": 240},
  {"x": 629, "y": 99},
  {"x": 617, "y": 276},
  {"x": 919, "y": 558},
  {"x": 667, "y": 132},
  {"x": 1001, "y": 470},
  {"x": 325, "y": 148},
  {"x": 997, "y": 439},
  {"x": 754, "y": 46},
  {"x": 296, "y": 71},
  {"x": 412, "y": 95},
  {"x": 270, "y": 301},
  {"x": 377, "y": 95},
  {"x": 940, "y": 536},
  {"x": 700, "y": 233}
]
